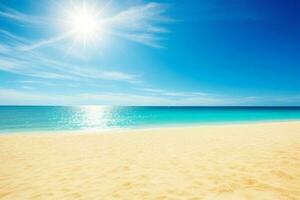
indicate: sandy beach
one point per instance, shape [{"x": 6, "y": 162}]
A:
[{"x": 247, "y": 161}]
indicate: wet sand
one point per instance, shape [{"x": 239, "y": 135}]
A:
[{"x": 247, "y": 161}]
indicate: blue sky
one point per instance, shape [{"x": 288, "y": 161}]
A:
[{"x": 204, "y": 52}]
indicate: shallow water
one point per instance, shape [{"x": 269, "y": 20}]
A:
[{"x": 59, "y": 118}]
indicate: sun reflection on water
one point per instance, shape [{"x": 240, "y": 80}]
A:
[{"x": 95, "y": 117}]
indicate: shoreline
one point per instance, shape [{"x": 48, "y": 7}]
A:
[{"x": 143, "y": 129}]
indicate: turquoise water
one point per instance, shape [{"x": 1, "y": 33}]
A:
[{"x": 15, "y": 119}]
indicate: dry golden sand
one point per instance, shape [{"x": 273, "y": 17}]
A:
[{"x": 257, "y": 161}]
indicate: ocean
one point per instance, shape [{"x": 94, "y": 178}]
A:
[{"x": 28, "y": 119}]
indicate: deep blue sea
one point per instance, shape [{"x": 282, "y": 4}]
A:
[{"x": 14, "y": 119}]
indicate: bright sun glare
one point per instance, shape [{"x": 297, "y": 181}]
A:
[{"x": 84, "y": 23}]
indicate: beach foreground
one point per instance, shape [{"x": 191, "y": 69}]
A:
[{"x": 249, "y": 161}]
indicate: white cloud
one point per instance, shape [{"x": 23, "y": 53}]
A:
[
  {"x": 15, "y": 15},
  {"x": 43, "y": 43},
  {"x": 42, "y": 67},
  {"x": 4, "y": 48},
  {"x": 171, "y": 93},
  {"x": 12, "y": 36},
  {"x": 144, "y": 38},
  {"x": 19, "y": 58},
  {"x": 145, "y": 18},
  {"x": 30, "y": 97},
  {"x": 15, "y": 97},
  {"x": 141, "y": 24},
  {"x": 18, "y": 97}
]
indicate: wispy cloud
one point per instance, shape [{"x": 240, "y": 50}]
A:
[
  {"x": 15, "y": 15},
  {"x": 25, "y": 97},
  {"x": 163, "y": 92},
  {"x": 150, "y": 40},
  {"x": 43, "y": 67},
  {"x": 4, "y": 48},
  {"x": 45, "y": 42},
  {"x": 142, "y": 24},
  {"x": 28, "y": 96},
  {"x": 147, "y": 17},
  {"x": 12, "y": 36},
  {"x": 19, "y": 56}
]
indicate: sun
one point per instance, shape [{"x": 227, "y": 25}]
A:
[{"x": 83, "y": 22}]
